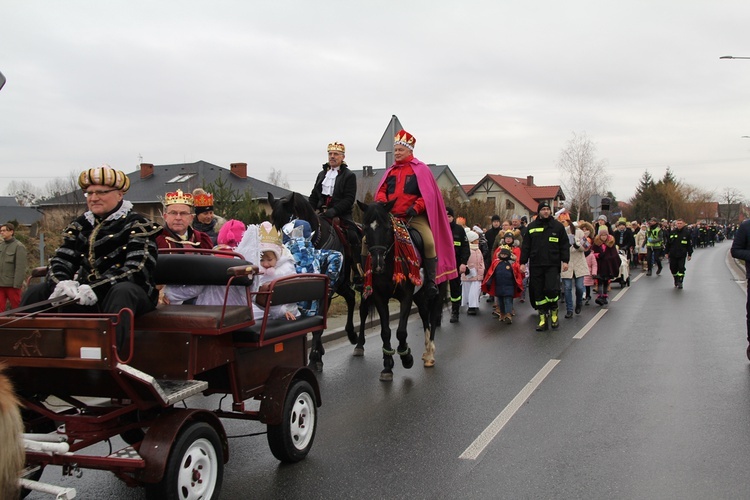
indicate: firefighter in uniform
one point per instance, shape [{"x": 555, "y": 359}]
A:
[
  {"x": 679, "y": 248},
  {"x": 654, "y": 245},
  {"x": 547, "y": 249},
  {"x": 461, "y": 247}
]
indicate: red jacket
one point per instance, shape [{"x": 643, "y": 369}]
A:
[{"x": 401, "y": 185}]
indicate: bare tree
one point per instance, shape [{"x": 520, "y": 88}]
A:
[
  {"x": 26, "y": 193},
  {"x": 732, "y": 198},
  {"x": 277, "y": 178},
  {"x": 583, "y": 174}
]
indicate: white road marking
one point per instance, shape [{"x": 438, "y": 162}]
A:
[
  {"x": 590, "y": 324},
  {"x": 492, "y": 430}
]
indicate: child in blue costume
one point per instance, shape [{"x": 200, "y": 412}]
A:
[{"x": 297, "y": 237}]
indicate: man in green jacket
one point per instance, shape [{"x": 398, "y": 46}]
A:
[{"x": 12, "y": 267}]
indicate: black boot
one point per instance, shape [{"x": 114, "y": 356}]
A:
[
  {"x": 455, "y": 306},
  {"x": 430, "y": 271},
  {"x": 679, "y": 282}
]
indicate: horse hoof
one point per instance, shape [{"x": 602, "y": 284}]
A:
[
  {"x": 315, "y": 365},
  {"x": 386, "y": 376},
  {"x": 352, "y": 337},
  {"x": 407, "y": 361},
  {"x": 429, "y": 363},
  {"x": 359, "y": 351}
]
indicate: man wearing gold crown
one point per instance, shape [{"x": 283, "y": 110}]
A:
[
  {"x": 206, "y": 221},
  {"x": 417, "y": 198},
  {"x": 178, "y": 217},
  {"x": 108, "y": 255}
]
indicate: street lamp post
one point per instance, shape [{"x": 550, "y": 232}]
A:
[{"x": 733, "y": 57}]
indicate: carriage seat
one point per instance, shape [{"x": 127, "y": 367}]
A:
[
  {"x": 287, "y": 290},
  {"x": 196, "y": 269}
]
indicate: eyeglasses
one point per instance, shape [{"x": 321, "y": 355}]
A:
[
  {"x": 98, "y": 192},
  {"x": 179, "y": 214}
]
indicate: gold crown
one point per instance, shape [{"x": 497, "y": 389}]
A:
[
  {"x": 269, "y": 234},
  {"x": 204, "y": 200},
  {"x": 336, "y": 147},
  {"x": 178, "y": 197}
]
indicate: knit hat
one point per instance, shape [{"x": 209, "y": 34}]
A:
[
  {"x": 477, "y": 229},
  {"x": 544, "y": 204},
  {"x": 472, "y": 236},
  {"x": 231, "y": 233},
  {"x": 104, "y": 175},
  {"x": 509, "y": 234},
  {"x": 602, "y": 217},
  {"x": 298, "y": 228},
  {"x": 496, "y": 218},
  {"x": 504, "y": 252},
  {"x": 449, "y": 211}
]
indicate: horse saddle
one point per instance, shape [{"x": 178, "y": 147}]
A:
[
  {"x": 349, "y": 234},
  {"x": 416, "y": 240}
]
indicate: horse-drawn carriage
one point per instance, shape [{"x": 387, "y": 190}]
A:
[{"x": 77, "y": 389}]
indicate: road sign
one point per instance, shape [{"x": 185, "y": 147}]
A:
[
  {"x": 595, "y": 201},
  {"x": 386, "y": 142}
]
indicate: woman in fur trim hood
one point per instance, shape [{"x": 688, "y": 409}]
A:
[{"x": 608, "y": 262}]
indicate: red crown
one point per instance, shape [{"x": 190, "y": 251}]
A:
[
  {"x": 404, "y": 138},
  {"x": 204, "y": 200}
]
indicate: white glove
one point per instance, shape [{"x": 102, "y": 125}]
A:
[
  {"x": 67, "y": 289},
  {"x": 86, "y": 296}
]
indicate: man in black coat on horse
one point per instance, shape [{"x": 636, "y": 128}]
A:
[{"x": 334, "y": 194}]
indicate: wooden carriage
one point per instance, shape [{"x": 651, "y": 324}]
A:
[{"x": 172, "y": 354}]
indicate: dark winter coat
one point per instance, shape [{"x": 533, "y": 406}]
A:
[
  {"x": 680, "y": 243},
  {"x": 460, "y": 244},
  {"x": 119, "y": 248},
  {"x": 741, "y": 245},
  {"x": 344, "y": 192},
  {"x": 545, "y": 244},
  {"x": 607, "y": 259}
]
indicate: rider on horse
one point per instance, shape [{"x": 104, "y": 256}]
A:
[
  {"x": 418, "y": 199},
  {"x": 334, "y": 194}
]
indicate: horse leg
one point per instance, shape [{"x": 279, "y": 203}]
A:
[
  {"x": 349, "y": 296},
  {"x": 385, "y": 334},
  {"x": 401, "y": 333},
  {"x": 435, "y": 311},
  {"x": 364, "y": 309},
  {"x": 316, "y": 352}
]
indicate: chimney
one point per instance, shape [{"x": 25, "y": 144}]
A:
[
  {"x": 147, "y": 170},
  {"x": 364, "y": 171},
  {"x": 239, "y": 169},
  {"x": 529, "y": 180}
]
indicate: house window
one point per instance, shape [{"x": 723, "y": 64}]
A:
[
  {"x": 181, "y": 178},
  {"x": 509, "y": 205},
  {"x": 491, "y": 199}
]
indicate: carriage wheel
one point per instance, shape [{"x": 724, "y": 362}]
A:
[
  {"x": 291, "y": 440},
  {"x": 195, "y": 467}
]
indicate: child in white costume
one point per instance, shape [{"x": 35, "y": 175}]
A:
[
  {"x": 260, "y": 244},
  {"x": 471, "y": 282}
]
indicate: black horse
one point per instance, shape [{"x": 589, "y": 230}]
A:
[
  {"x": 325, "y": 236},
  {"x": 381, "y": 241}
]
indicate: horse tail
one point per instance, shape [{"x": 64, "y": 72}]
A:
[{"x": 12, "y": 454}]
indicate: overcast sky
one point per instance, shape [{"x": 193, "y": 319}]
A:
[{"x": 485, "y": 86}]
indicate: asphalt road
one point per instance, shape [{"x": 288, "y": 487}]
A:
[{"x": 646, "y": 398}]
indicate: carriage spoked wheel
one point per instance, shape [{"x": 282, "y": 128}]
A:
[
  {"x": 292, "y": 439},
  {"x": 195, "y": 467}
]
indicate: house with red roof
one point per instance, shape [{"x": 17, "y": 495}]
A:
[{"x": 515, "y": 195}]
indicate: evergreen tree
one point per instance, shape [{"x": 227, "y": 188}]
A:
[{"x": 230, "y": 203}]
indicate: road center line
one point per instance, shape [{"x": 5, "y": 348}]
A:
[
  {"x": 492, "y": 430},
  {"x": 590, "y": 324}
]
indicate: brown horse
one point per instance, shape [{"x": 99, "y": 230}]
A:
[{"x": 12, "y": 454}]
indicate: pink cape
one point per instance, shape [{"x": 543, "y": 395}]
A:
[{"x": 436, "y": 216}]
